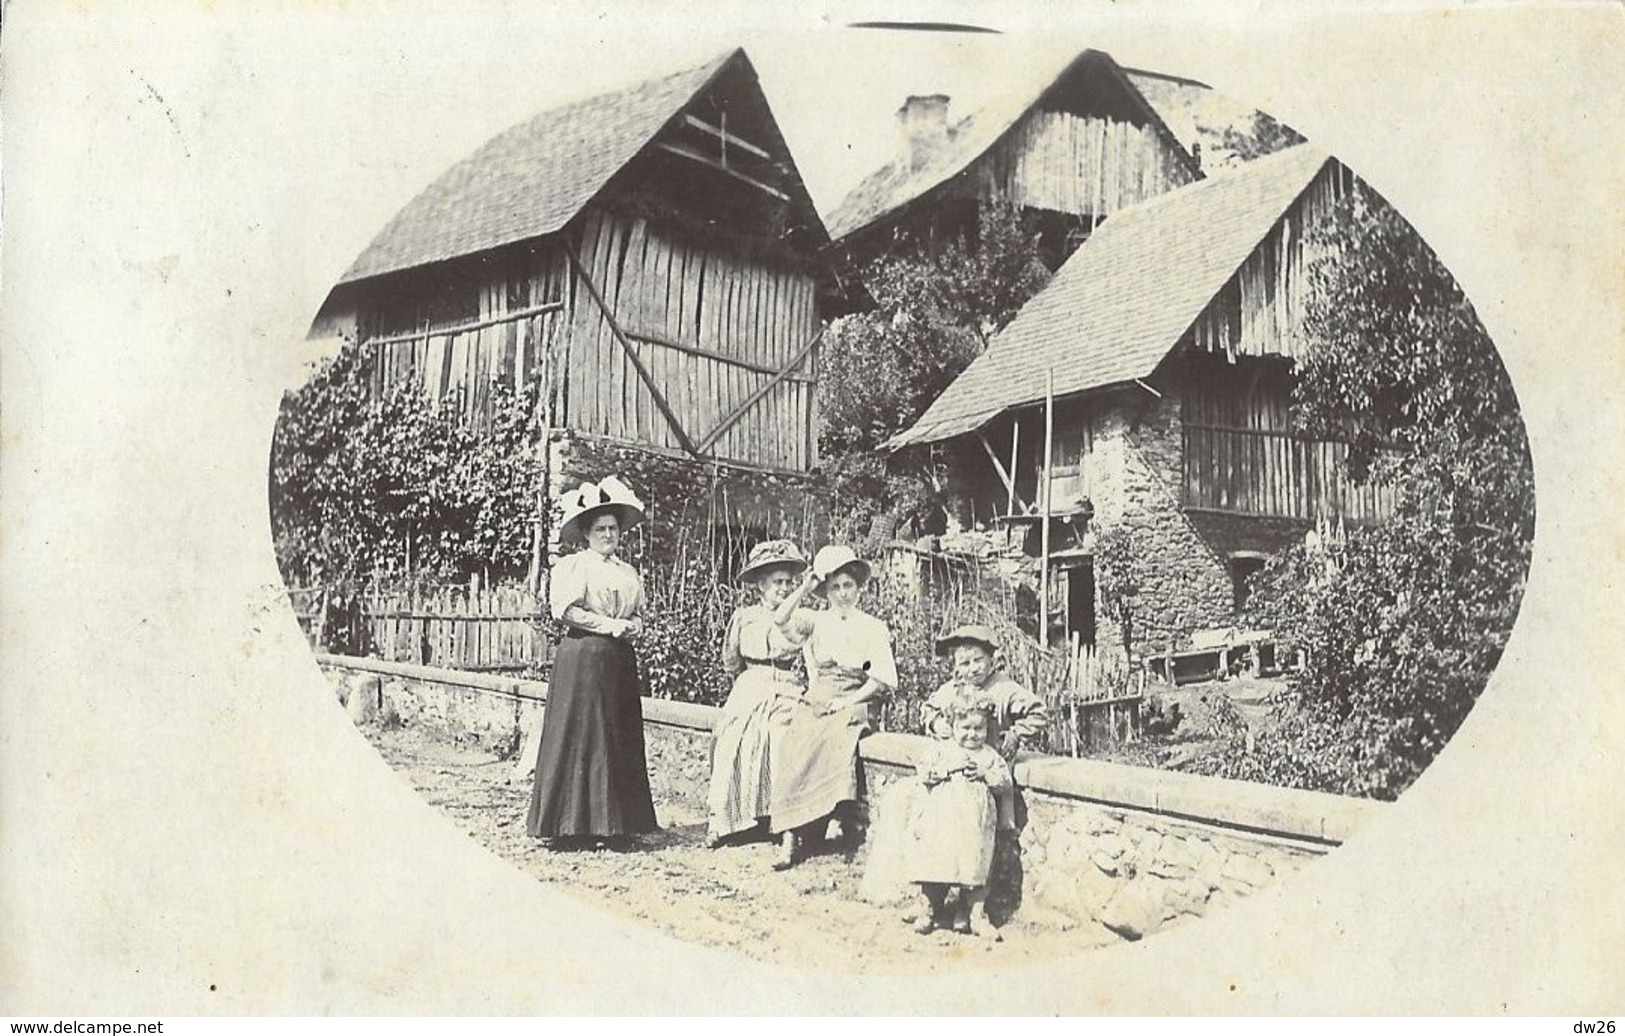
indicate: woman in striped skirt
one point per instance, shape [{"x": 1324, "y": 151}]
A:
[{"x": 761, "y": 649}]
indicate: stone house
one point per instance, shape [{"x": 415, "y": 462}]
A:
[
  {"x": 650, "y": 257},
  {"x": 1076, "y": 149},
  {"x": 1162, "y": 352}
]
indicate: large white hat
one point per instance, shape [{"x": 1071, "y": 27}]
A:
[
  {"x": 839, "y": 558},
  {"x": 586, "y": 502}
]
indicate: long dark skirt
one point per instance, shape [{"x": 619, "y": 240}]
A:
[{"x": 592, "y": 777}]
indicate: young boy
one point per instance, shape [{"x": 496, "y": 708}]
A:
[{"x": 1017, "y": 713}]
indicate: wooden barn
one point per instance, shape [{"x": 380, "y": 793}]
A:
[
  {"x": 1084, "y": 145},
  {"x": 1145, "y": 390},
  {"x": 650, "y": 257}
]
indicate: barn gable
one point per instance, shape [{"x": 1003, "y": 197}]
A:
[
  {"x": 649, "y": 256},
  {"x": 1083, "y": 145},
  {"x": 532, "y": 180}
]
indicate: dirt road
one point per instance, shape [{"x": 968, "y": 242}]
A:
[{"x": 810, "y": 916}]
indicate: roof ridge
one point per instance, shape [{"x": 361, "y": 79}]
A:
[
  {"x": 1220, "y": 178},
  {"x": 1125, "y": 298},
  {"x": 532, "y": 177},
  {"x": 934, "y": 174}
]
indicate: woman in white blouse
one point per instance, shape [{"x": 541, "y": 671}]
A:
[
  {"x": 592, "y": 778},
  {"x": 815, "y": 748}
]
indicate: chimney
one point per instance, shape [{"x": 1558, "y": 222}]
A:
[{"x": 923, "y": 121}]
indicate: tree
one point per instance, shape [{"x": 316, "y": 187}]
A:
[
  {"x": 1264, "y": 135},
  {"x": 881, "y": 369},
  {"x": 1405, "y": 622}
]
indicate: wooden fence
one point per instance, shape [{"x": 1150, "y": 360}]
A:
[
  {"x": 1093, "y": 705},
  {"x": 492, "y": 630},
  {"x": 506, "y": 629},
  {"x": 309, "y": 605}
]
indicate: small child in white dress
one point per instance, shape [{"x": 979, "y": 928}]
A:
[{"x": 952, "y": 824}]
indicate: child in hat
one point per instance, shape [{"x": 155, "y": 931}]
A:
[{"x": 1015, "y": 713}]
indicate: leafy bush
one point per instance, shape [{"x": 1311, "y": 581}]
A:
[
  {"x": 1404, "y": 622},
  {"x": 680, "y": 653},
  {"x": 401, "y": 486},
  {"x": 879, "y": 370}
]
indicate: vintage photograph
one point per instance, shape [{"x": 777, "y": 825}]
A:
[
  {"x": 1087, "y": 514},
  {"x": 945, "y": 509}
]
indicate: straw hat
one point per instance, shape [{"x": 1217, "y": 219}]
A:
[
  {"x": 968, "y": 634},
  {"x": 772, "y": 554},
  {"x": 586, "y": 502},
  {"x": 838, "y": 558}
]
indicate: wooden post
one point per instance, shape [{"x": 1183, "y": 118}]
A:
[
  {"x": 1015, "y": 447},
  {"x": 546, "y": 404},
  {"x": 538, "y": 543},
  {"x": 1044, "y": 509},
  {"x": 1075, "y": 658}
]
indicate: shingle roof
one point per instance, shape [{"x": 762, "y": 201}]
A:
[
  {"x": 534, "y": 178},
  {"x": 894, "y": 185},
  {"x": 1123, "y": 300}
]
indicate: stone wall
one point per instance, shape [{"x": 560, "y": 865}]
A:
[
  {"x": 1127, "y": 848},
  {"x": 1232, "y": 533},
  {"x": 1185, "y": 555},
  {"x": 1185, "y": 584},
  {"x": 503, "y": 715}
]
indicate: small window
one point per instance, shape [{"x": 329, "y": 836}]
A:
[{"x": 1242, "y": 569}]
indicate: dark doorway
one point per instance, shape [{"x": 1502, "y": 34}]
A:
[
  {"x": 1080, "y": 603},
  {"x": 1243, "y": 567}
]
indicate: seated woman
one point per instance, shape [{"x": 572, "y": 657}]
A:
[
  {"x": 849, "y": 665},
  {"x": 761, "y": 650}
]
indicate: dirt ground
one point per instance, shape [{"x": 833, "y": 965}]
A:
[{"x": 810, "y": 916}]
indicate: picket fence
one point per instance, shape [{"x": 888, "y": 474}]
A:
[{"x": 500, "y": 629}]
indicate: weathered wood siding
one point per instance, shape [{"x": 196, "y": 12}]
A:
[
  {"x": 1261, "y": 310},
  {"x": 1085, "y": 166},
  {"x": 711, "y": 329},
  {"x": 1072, "y": 471},
  {"x": 1240, "y": 454},
  {"x": 461, "y": 337},
  {"x": 1241, "y": 457}
]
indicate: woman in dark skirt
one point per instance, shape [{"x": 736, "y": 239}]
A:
[{"x": 592, "y": 778}]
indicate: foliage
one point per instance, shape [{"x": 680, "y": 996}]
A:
[
  {"x": 1264, "y": 135},
  {"x": 879, "y": 370},
  {"x": 1119, "y": 573},
  {"x": 690, "y": 602},
  {"x": 1404, "y": 622},
  {"x": 358, "y": 489}
]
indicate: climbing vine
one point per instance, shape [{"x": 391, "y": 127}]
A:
[{"x": 361, "y": 488}]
